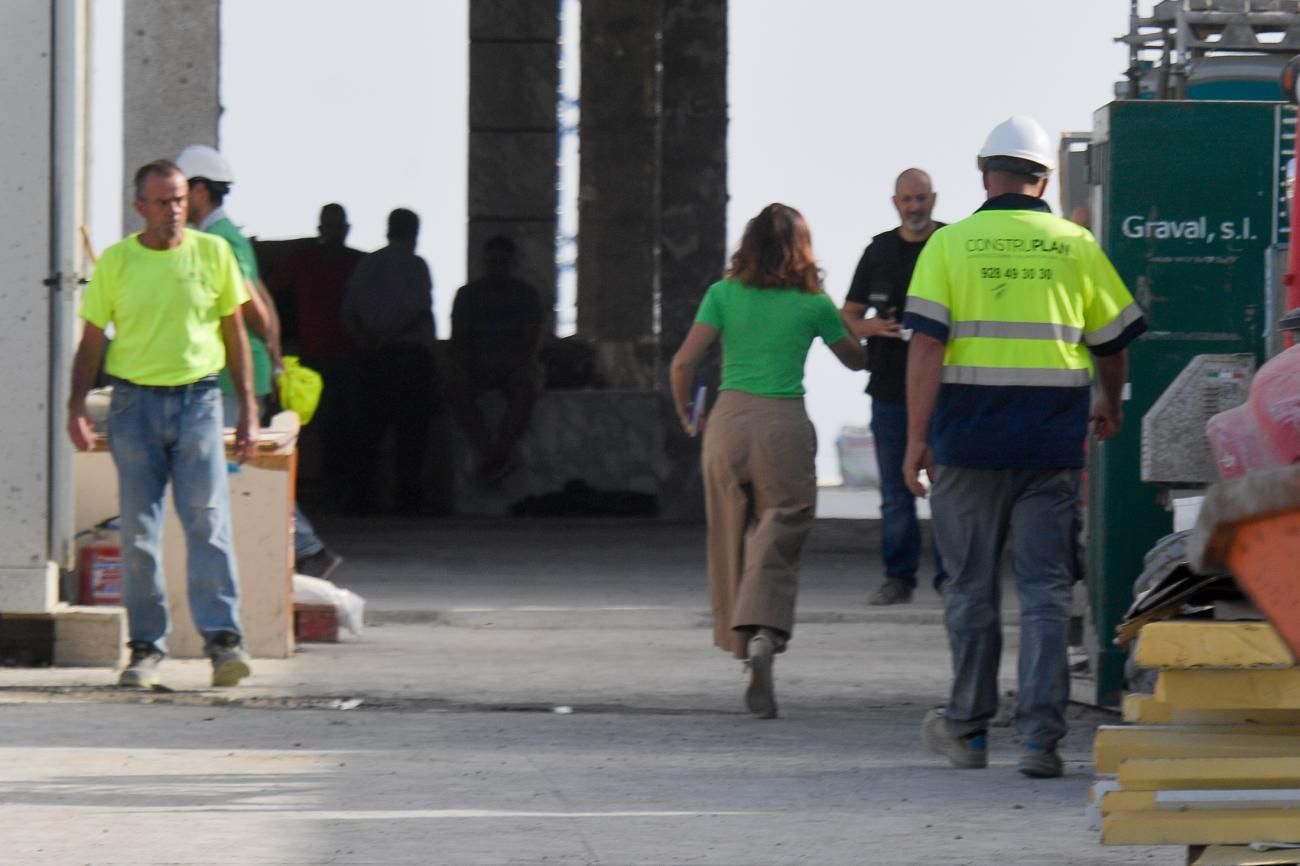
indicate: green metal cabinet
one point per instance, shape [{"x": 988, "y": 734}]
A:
[{"x": 1188, "y": 200}]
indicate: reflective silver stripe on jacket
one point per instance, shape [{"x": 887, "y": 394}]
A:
[
  {"x": 1018, "y": 331},
  {"x": 930, "y": 309},
  {"x": 1115, "y": 327},
  {"x": 1044, "y": 377}
]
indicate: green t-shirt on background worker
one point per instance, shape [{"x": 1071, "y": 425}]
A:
[{"x": 243, "y": 250}]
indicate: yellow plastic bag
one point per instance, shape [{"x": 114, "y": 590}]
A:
[{"x": 300, "y": 388}]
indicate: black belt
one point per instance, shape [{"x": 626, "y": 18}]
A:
[{"x": 198, "y": 385}]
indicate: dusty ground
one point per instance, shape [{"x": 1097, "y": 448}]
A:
[{"x": 539, "y": 693}]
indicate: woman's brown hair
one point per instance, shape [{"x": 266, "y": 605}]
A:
[{"x": 776, "y": 252}]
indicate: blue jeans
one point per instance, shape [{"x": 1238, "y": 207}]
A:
[
  {"x": 305, "y": 541},
  {"x": 900, "y": 533},
  {"x": 975, "y": 511},
  {"x": 155, "y": 437}
]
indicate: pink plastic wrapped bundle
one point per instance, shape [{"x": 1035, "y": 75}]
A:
[
  {"x": 1264, "y": 432},
  {"x": 1237, "y": 444},
  {"x": 1275, "y": 396}
]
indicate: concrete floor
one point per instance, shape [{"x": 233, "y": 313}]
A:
[{"x": 539, "y": 692}]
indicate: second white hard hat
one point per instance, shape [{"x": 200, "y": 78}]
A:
[
  {"x": 1022, "y": 138},
  {"x": 199, "y": 160}
]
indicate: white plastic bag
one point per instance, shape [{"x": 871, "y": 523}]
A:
[{"x": 351, "y": 607}]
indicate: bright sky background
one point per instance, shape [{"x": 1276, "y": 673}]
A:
[{"x": 365, "y": 104}]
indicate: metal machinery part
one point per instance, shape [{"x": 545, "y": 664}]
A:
[
  {"x": 1175, "y": 452},
  {"x": 1210, "y": 49}
]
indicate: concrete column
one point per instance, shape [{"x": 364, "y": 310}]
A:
[
  {"x": 513, "y": 90},
  {"x": 171, "y": 65},
  {"x": 693, "y": 201},
  {"x": 28, "y": 580},
  {"x": 618, "y": 206}
]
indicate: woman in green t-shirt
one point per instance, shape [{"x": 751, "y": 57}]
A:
[{"x": 760, "y": 483}]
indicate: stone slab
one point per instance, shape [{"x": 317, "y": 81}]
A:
[
  {"x": 609, "y": 440},
  {"x": 89, "y": 636}
]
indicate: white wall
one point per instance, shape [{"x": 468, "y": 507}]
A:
[{"x": 26, "y": 581}]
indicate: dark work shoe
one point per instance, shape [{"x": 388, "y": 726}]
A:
[
  {"x": 892, "y": 591},
  {"x": 141, "y": 672},
  {"x": 320, "y": 564},
  {"x": 230, "y": 663},
  {"x": 1040, "y": 762},
  {"x": 968, "y": 753},
  {"x": 760, "y": 697},
  {"x": 492, "y": 472}
]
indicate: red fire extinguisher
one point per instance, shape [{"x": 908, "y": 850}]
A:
[{"x": 100, "y": 565}]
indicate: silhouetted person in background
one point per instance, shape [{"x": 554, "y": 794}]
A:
[
  {"x": 496, "y": 331},
  {"x": 388, "y": 311},
  {"x": 315, "y": 281}
]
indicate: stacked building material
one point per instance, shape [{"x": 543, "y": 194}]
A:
[{"x": 1213, "y": 757}]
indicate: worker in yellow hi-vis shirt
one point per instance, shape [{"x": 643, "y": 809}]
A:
[
  {"x": 173, "y": 298},
  {"x": 1011, "y": 310}
]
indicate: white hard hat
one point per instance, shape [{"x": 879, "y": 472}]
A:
[
  {"x": 199, "y": 160},
  {"x": 1022, "y": 138}
]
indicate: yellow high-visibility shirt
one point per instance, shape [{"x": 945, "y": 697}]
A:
[
  {"x": 1022, "y": 299},
  {"x": 165, "y": 306}
]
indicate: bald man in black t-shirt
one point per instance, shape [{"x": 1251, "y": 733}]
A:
[{"x": 880, "y": 286}]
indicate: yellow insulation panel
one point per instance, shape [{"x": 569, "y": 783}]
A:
[
  {"x": 1230, "y": 690},
  {"x": 1191, "y": 644},
  {"x": 1199, "y": 827},
  {"x": 1117, "y": 743},
  {"x": 1113, "y": 802},
  {"x": 1146, "y": 710},
  {"x": 1170, "y": 774}
]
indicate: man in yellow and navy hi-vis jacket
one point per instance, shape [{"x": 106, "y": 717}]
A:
[{"x": 1011, "y": 310}]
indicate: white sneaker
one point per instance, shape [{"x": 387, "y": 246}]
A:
[{"x": 141, "y": 672}]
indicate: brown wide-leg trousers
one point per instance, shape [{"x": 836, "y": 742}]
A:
[{"x": 760, "y": 491}]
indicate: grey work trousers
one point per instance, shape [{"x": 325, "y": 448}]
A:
[{"x": 973, "y": 512}]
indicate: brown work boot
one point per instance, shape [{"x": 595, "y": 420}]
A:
[
  {"x": 892, "y": 591},
  {"x": 1040, "y": 762},
  {"x": 970, "y": 752}
]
